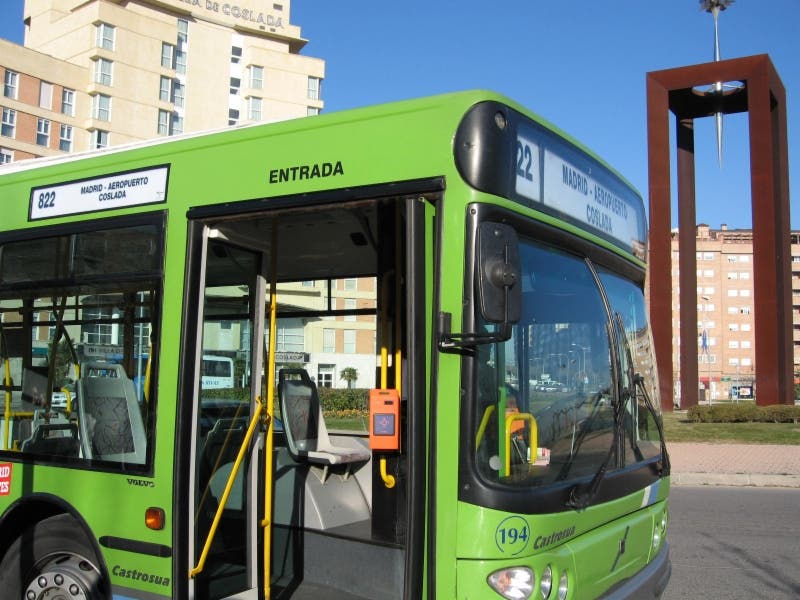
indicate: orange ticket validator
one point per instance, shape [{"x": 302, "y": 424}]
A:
[{"x": 384, "y": 420}]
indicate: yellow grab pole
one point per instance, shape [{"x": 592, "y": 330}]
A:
[
  {"x": 228, "y": 487},
  {"x": 266, "y": 523},
  {"x": 534, "y": 439},
  {"x": 7, "y": 419}
]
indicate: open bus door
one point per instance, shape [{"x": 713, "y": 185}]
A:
[{"x": 333, "y": 286}]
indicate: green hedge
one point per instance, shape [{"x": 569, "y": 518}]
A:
[
  {"x": 336, "y": 402},
  {"x": 744, "y": 413}
]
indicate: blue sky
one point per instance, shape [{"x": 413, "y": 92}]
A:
[{"x": 580, "y": 64}]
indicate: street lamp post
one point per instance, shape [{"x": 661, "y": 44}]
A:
[{"x": 706, "y": 346}]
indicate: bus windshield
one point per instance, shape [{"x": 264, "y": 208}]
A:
[{"x": 548, "y": 411}]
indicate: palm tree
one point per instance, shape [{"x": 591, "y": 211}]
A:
[{"x": 350, "y": 375}]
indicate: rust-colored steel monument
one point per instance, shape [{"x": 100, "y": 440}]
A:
[{"x": 763, "y": 97}]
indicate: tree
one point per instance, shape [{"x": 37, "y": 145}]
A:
[{"x": 350, "y": 375}]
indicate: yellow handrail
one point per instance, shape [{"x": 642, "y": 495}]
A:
[
  {"x": 484, "y": 423},
  {"x": 534, "y": 437},
  {"x": 257, "y": 415},
  {"x": 7, "y": 419},
  {"x": 266, "y": 522}
]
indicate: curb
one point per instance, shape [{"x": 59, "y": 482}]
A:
[{"x": 735, "y": 480}]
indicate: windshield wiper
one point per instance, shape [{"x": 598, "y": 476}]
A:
[{"x": 581, "y": 498}]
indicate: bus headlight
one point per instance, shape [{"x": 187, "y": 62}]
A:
[
  {"x": 660, "y": 530},
  {"x": 512, "y": 583},
  {"x": 563, "y": 586},
  {"x": 546, "y": 582}
]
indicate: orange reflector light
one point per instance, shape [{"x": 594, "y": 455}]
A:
[{"x": 154, "y": 518}]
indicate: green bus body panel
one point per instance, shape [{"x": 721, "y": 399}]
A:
[
  {"x": 487, "y": 533},
  {"x": 403, "y": 141},
  {"x": 593, "y": 563}
]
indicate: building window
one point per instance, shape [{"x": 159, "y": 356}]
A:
[
  {"x": 325, "y": 376},
  {"x": 11, "y": 84},
  {"x": 349, "y": 341},
  {"x": 100, "y": 139},
  {"x": 43, "y": 132},
  {"x": 236, "y": 54},
  {"x": 180, "y": 62},
  {"x": 68, "y": 102},
  {"x": 169, "y": 123},
  {"x": 233, "y": 116},
  {"x": 290, "y": 336},
  {"x": 236, "y": 84},
  {"x": 312, "y": 111},
  {"x": 9, "y": 122},
  {"x": 349, "y": 304},
  {"x": 102, "y": 71},
  {"x": 256, "y": 77},
  {"x": 165, "y": 89},
  {"x": 167, "y": 55},
  {"x": 101, "y": 109},
  {"x": 254, "y": 108},
  {"x": 314, "y": 88},
  {"x": 329, "y": 340},
  {"x": 163, "y": 122},
  {"x": 176, "y": 124},
  {"x": 350, "y": 284},
  {"x": 45, "y": 95},
  {"x": 65, "y": 138},
  {"x": 105, "y": 36},
  {"x": 183, "y": 31},
  {"x": 6, "y": 156},
  {"x": 178, "y": 94}
]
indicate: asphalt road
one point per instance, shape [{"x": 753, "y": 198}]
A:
[{"x": 732, "y": 543}]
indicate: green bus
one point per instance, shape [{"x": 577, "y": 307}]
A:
[{"x": 444, "y": 383}]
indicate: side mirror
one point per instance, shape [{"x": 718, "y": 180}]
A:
[
  {"x": 498, "y": 288},
  {"x": 498, "y": 277}
]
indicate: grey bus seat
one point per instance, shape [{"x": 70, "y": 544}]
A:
[
  {"x": 110, "y": 420},
  {"x": 306, "y": 434},
  {"x": 53, "y": 434},
  {"x": 216, "y": 460}
]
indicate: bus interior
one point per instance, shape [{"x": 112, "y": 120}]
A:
[{"x": 342, "y": 287}]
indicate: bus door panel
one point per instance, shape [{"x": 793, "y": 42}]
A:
[{"x": 231, "y": 286}]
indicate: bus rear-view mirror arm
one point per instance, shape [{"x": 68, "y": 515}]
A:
[{"x": 498, "y": 288}]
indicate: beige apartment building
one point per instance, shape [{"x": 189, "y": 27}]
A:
[
  {"x": 95, "y": 73},
  {"x": 725, "y": 310}
]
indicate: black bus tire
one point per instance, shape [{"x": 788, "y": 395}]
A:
[{"x": 50, "y": 558}]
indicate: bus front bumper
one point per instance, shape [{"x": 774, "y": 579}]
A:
[{"x": 650, "y": 582}]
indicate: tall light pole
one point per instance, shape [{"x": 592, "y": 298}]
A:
[
  {"x": 705, "y": 345},
  {"x": 583, "y": 369}
]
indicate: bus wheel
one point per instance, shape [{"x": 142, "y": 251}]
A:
[{"x": 52, "y": 559}]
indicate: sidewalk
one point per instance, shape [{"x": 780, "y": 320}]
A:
[{"x": 761, "y": 465}]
